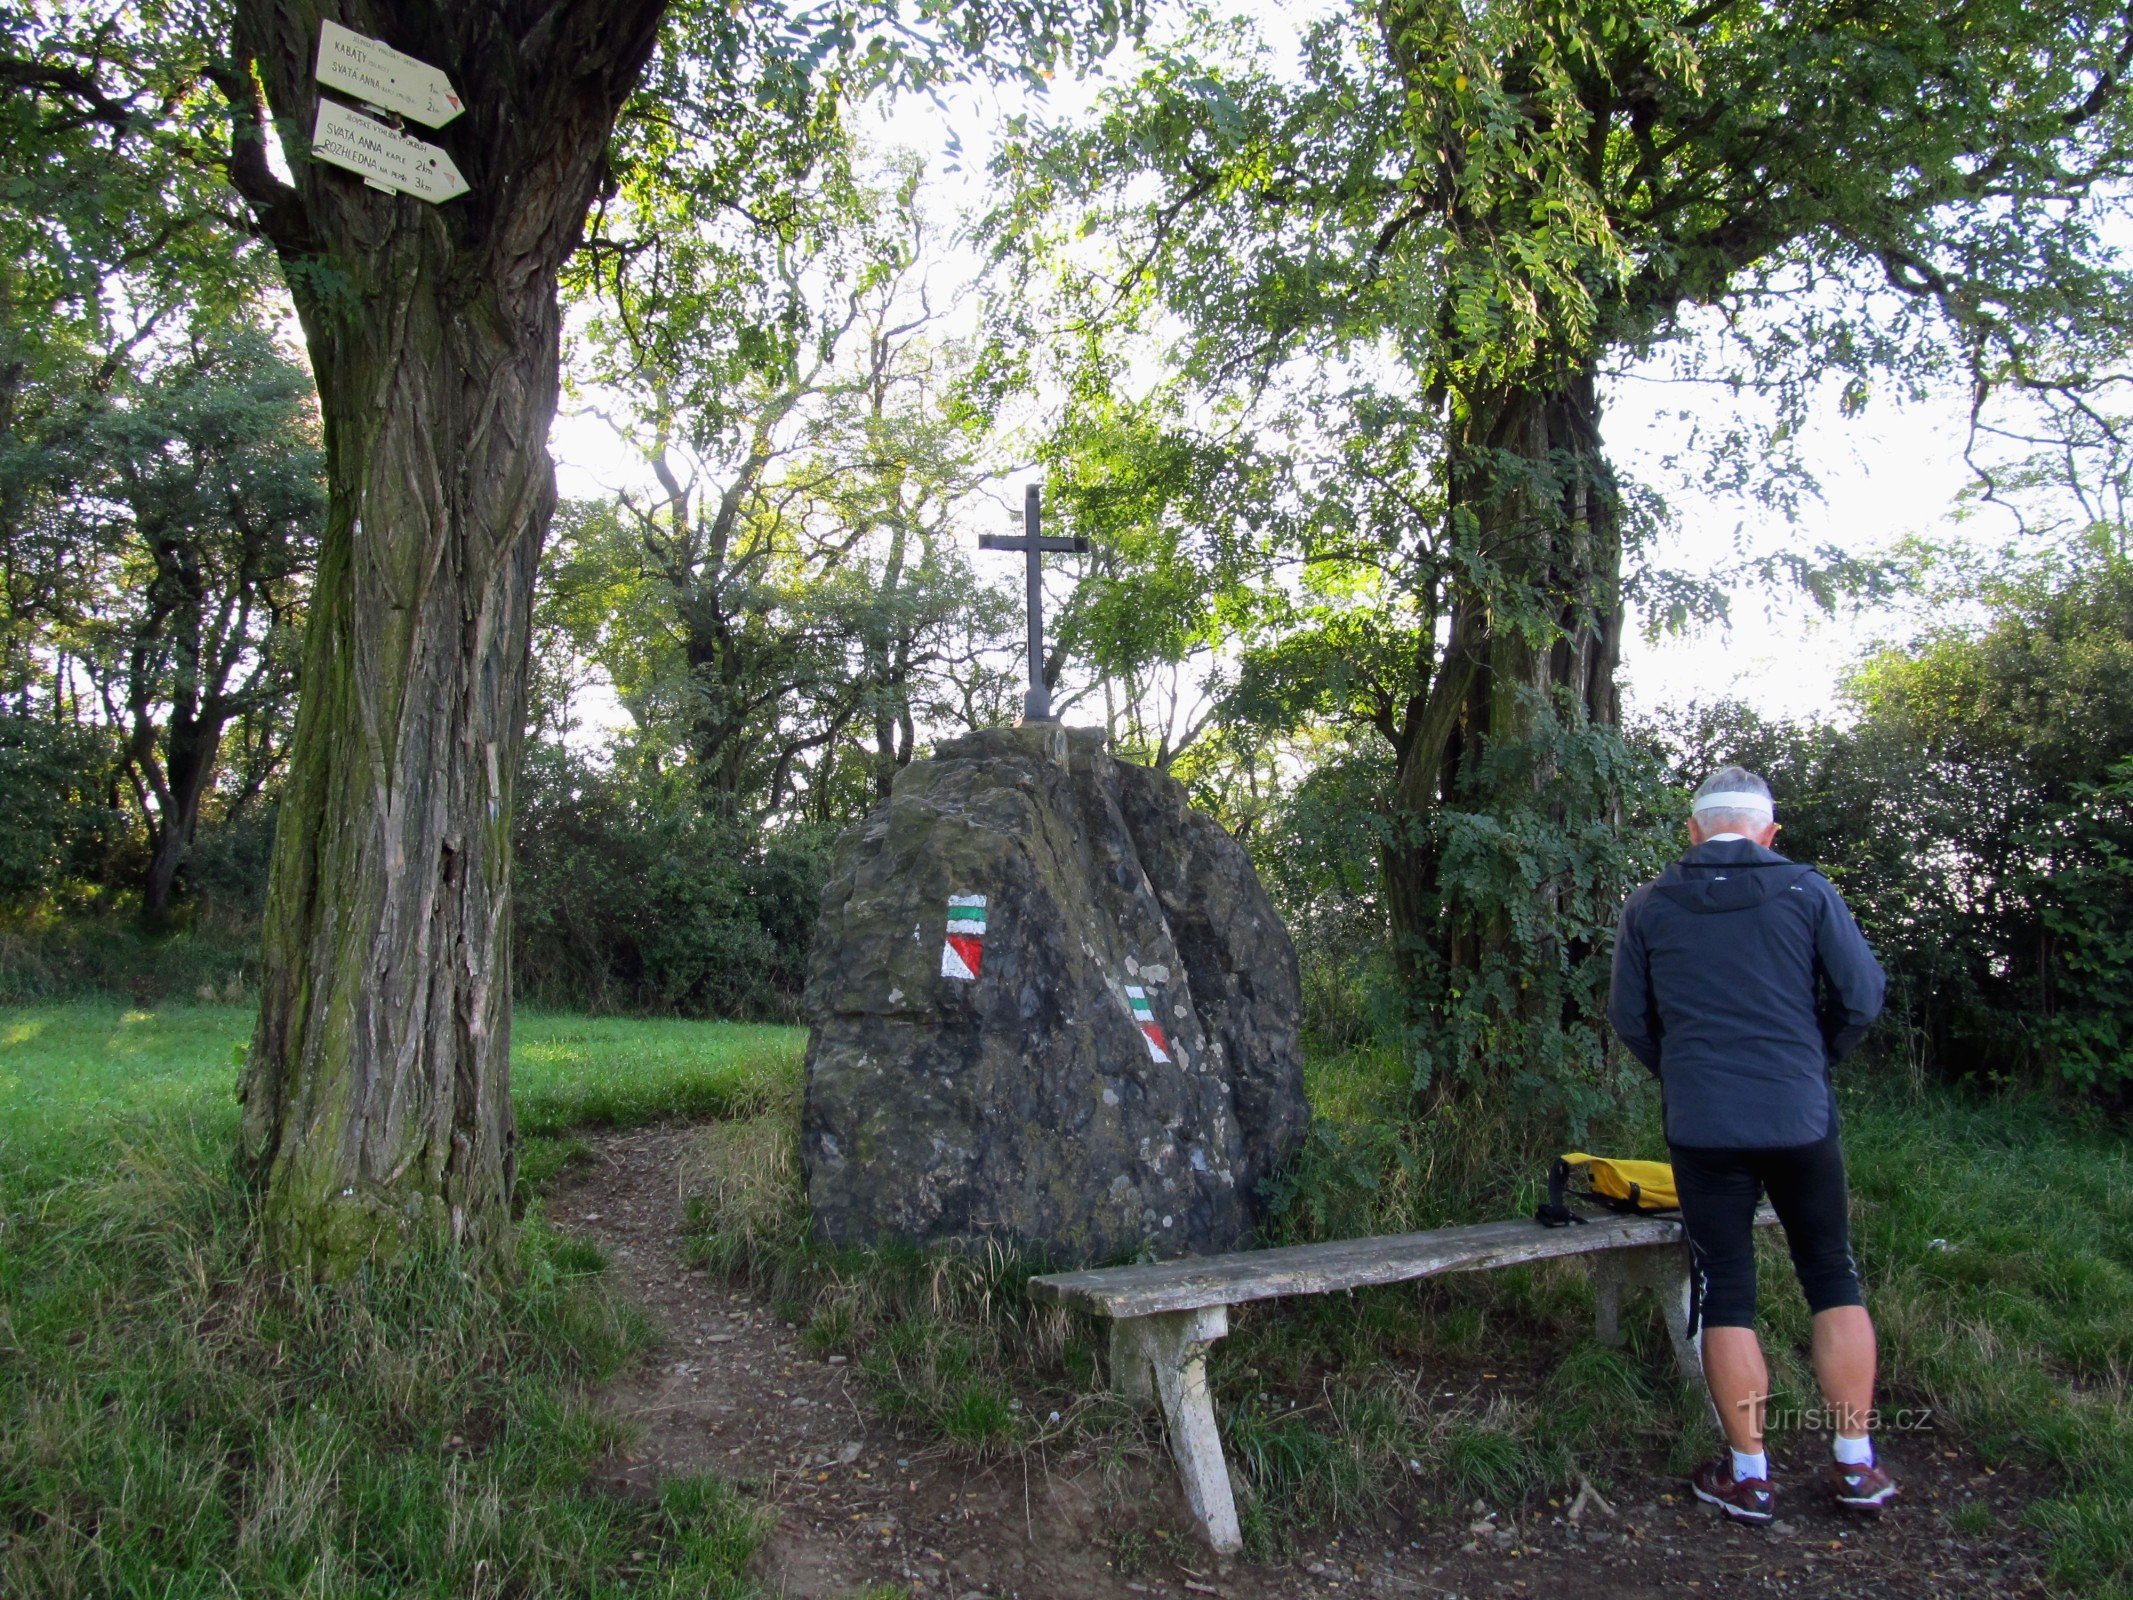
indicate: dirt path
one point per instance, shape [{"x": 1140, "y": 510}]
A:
[{"x": 730, "y": 1390}]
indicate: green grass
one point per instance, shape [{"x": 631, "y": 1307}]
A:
[
  {"x": 100, "y": 1073},
  {"x": 176, "y": 1422},
  {"x": 1996, "y": 1236},
  {"x": 103, "y": 1071},
  {"x": 574, "y": 1072},
  {"x": 1998, "y": 1243},
  {"x": 171, "y": 1422}
]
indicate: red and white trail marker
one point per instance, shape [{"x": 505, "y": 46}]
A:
[
  {"x": 963, "y": 951},
  {"x": 1151, "y": 1030}
]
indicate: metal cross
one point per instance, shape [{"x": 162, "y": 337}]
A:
[{"x": 1037, "y": 704}]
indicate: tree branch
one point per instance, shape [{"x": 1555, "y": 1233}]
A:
[
  {"x": 276, "y": 207},
  {"x": 77, "y": 87}
]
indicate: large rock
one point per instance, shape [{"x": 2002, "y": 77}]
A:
[{"x": 1028, "y": 1103}]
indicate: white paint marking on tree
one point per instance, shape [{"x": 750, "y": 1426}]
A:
[
  {"x": 387, "y": 78},
  {"x": 382, "y": 156}
]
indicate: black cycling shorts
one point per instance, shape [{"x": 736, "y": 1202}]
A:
[{"x": 1719, "y": 1191}]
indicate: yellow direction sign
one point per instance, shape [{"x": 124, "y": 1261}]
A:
[
  {"x": 374, "y": 72},
  {"x": 383, "y": 156}
]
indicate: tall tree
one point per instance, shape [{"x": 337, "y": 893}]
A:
[
  {"x": 377, "y": 1106},
  {"x": 1459, "y": 213},
  {"x": 711, "y": 344},
  {"x": 112, "y": 235},
  {"x": 800, "y": 580},
  {"x": 201, "y": 483},
  {"x": 891, "y": 469}
]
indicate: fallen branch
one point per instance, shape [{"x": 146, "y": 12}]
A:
[{"x": 1588, "y": 1496}]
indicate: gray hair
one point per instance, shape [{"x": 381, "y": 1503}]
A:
[{"x": 1733, "y": 800}]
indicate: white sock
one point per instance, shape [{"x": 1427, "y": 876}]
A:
[
  {"x": 1857, "y": 1452},
  {"x": 1746, "y": 1466}
]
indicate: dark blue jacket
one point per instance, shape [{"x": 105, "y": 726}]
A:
[{"x": 1740, "y": 979}]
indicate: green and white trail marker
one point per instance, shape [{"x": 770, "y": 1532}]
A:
[{"x": 963, "y": 950}]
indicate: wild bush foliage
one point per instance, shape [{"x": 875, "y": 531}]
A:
[
  {"x": 633, "y": 897},
  {"x": 1975, "y": 812}
]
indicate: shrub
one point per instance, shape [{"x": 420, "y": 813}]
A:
[
  {"x": 57, "y": 812},
  {"x": 1503, "y": 1002},
  {"x": 632, "y": 897}
]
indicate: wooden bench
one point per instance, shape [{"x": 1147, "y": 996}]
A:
[{"x": 1166, "y": 1313}]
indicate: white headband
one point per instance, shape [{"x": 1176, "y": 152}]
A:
[{"x": 1734, "y": 800}]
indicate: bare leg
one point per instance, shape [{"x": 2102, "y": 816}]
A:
[
  {"x": 1740, "y": 1383},
  {"x": 1844, "y": 1366}
]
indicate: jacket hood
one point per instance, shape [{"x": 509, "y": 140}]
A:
[{"x": 1728, "y": 875}]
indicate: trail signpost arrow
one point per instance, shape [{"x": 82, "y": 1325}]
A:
[
  {"x": 374, "y": 72},
  {"x": 1037, "y": 703},
  {"x": 383, "y": 156}
]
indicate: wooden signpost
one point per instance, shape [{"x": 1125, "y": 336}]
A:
[
  {"x": 377, "y": 74},
  {"x": 382, "y": 156},
  {"x": 390, "y": 83}
]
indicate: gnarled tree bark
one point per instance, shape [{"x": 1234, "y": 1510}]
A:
[
  {"x": 377, "y": 1107},
  {"x": 1525, "y": 464}
]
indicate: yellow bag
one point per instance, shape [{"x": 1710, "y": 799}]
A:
[{"x": 1638, "y": 1187}]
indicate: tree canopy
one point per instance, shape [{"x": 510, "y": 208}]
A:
[
  {"x": 1343, "y": 332},
  {"x": 1317, "y": 353}
]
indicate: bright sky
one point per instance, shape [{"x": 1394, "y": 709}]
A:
[{"x": 1889, "y": 472}]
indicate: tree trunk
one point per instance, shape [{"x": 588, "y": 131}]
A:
[
  {"x": 1530, "y": 487},
  {"x": 377, "y": 1095},
  {"x": 884, "y": 677},
  {"x": 192, "y": 746},
  {"x": 715, "y": 732}
]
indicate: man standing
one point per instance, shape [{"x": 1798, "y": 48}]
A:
[{"x": 1740, "y": 979}]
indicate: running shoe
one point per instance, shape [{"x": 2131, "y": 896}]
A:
[
  {"x": 1745, "y": 1499},
  {"x": 1866, "y": 1488}
]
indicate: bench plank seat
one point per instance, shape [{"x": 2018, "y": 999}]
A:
[
  {"x": 1246, "y": 1275},
  {"x": 1165, "y": 1314}
]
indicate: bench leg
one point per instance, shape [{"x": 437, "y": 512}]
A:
[
  {"x": 1661, "y": 1268},
  {"x": 1675, "y": 1298},
  {"x": 1133, "y": 1362},
  {"x": 1170, "y": 1349},
  {"x": 1607, "y": 1301}
]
